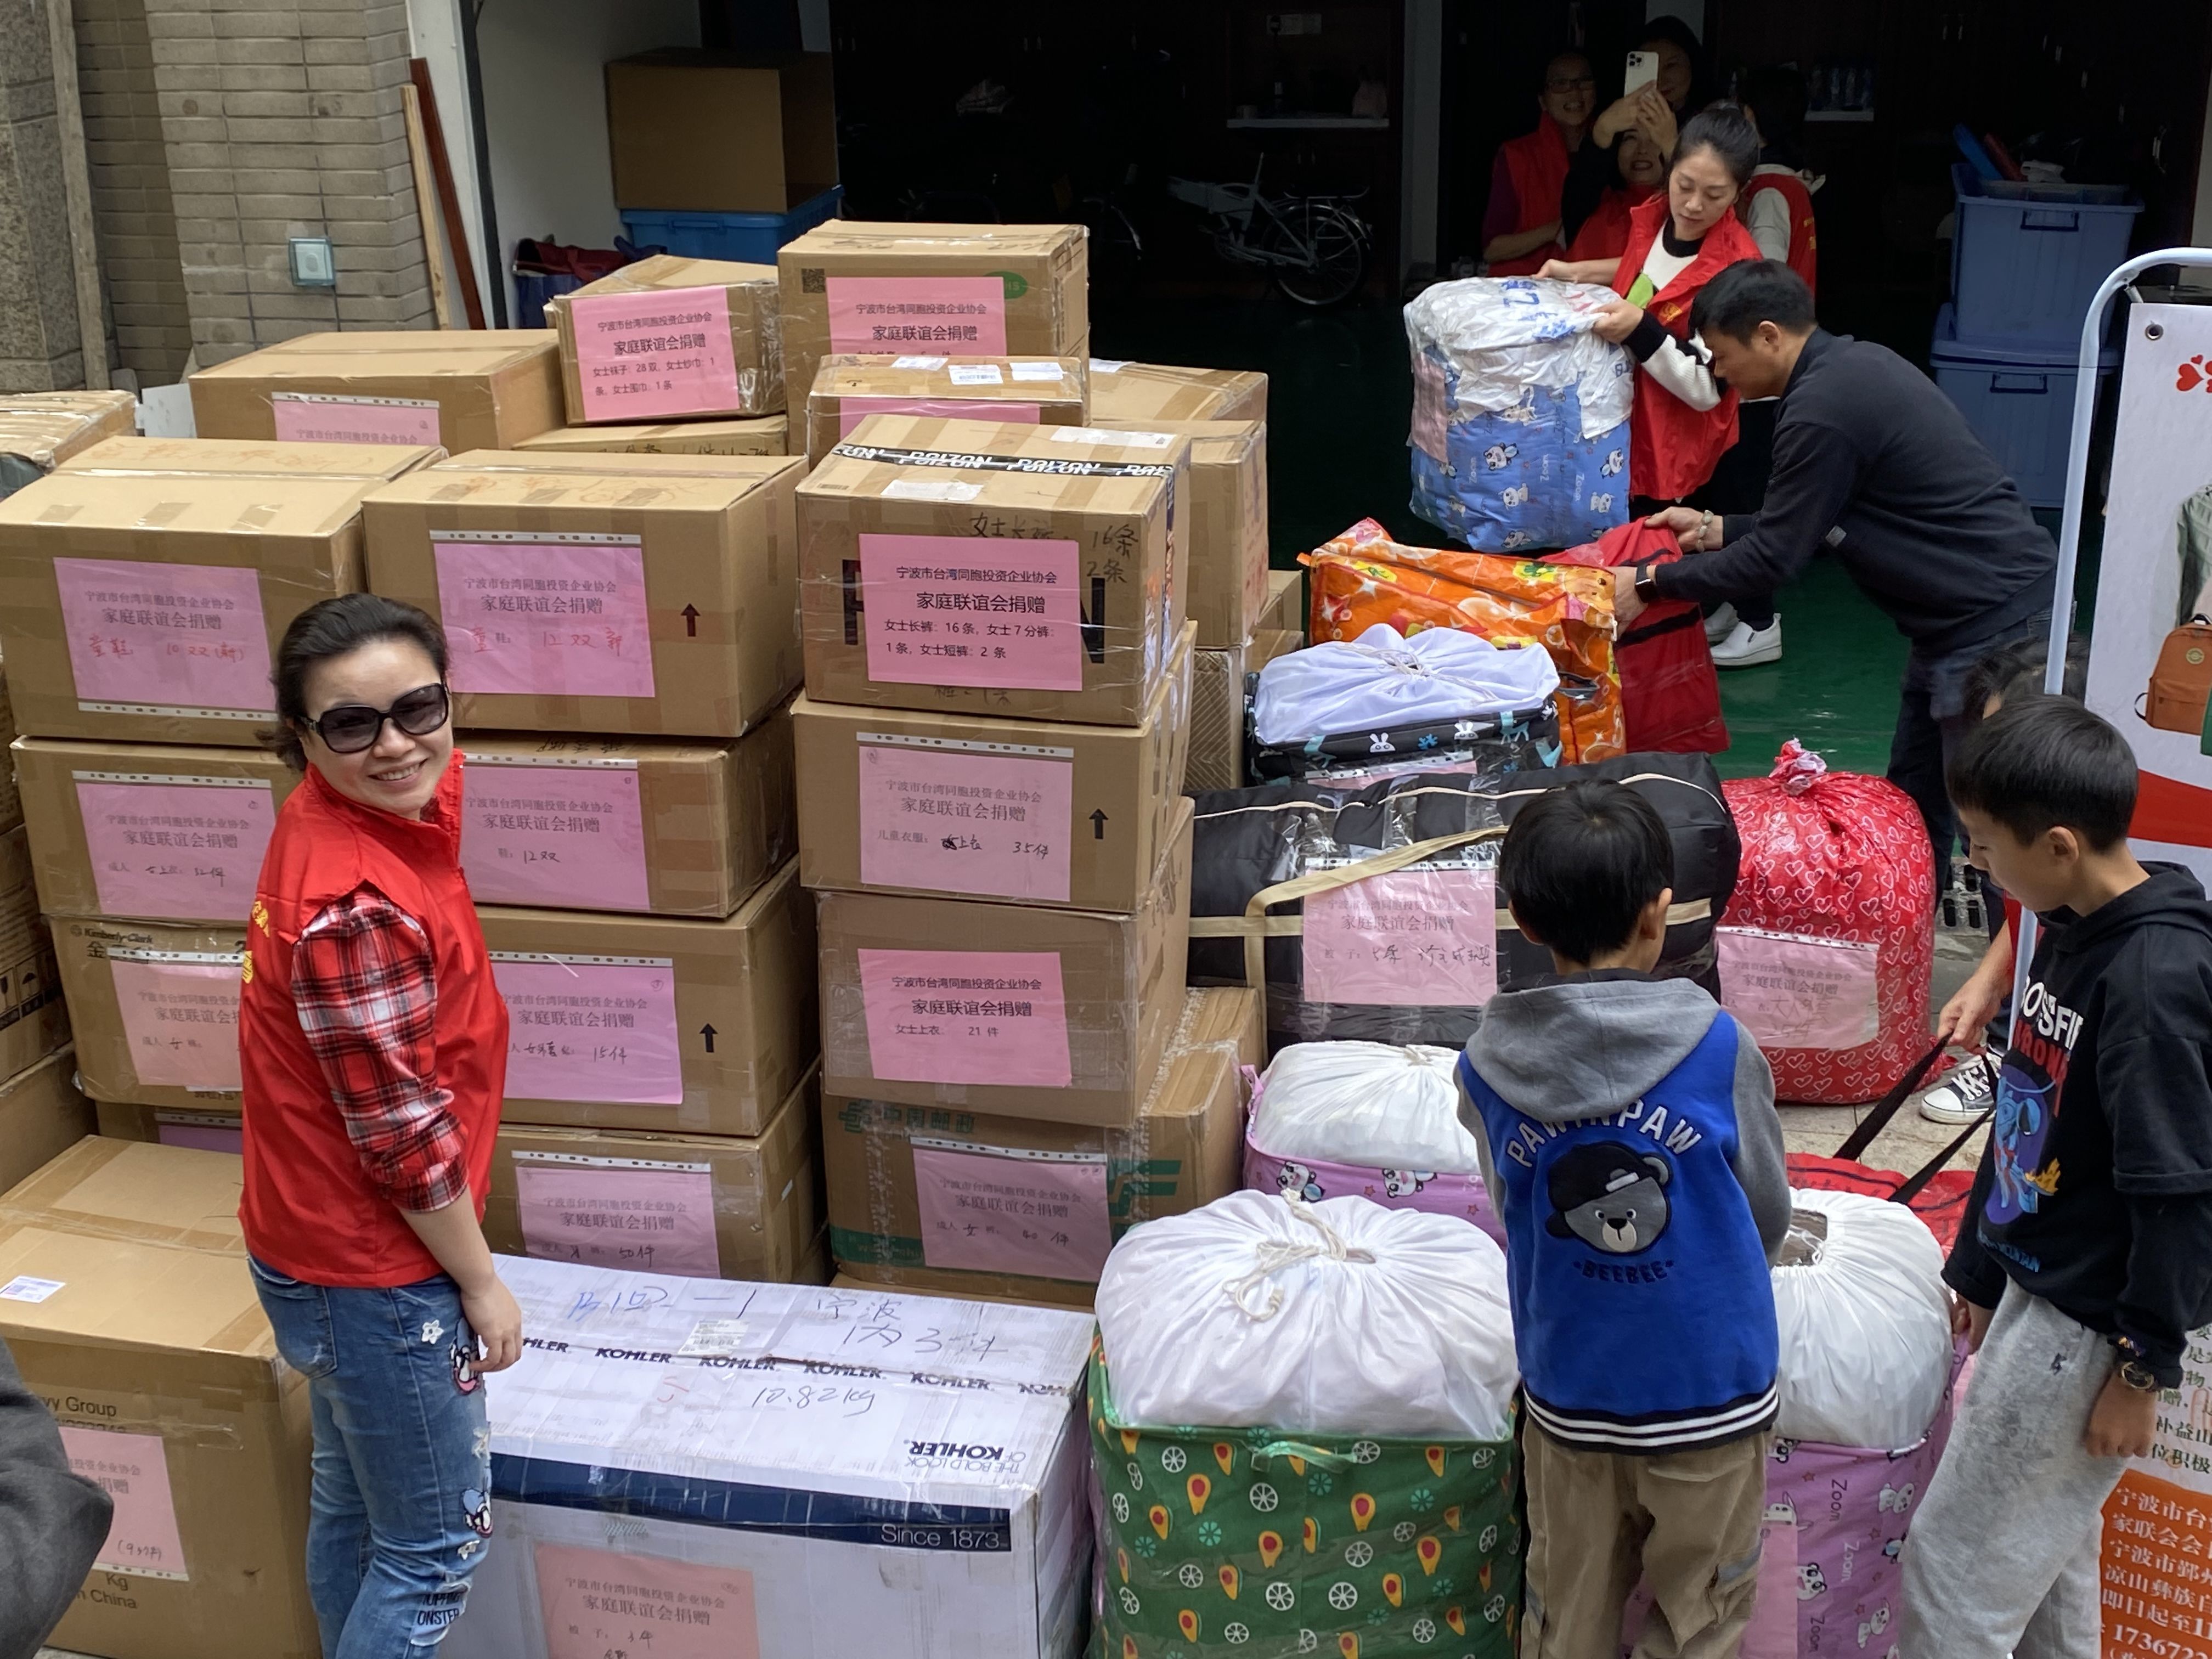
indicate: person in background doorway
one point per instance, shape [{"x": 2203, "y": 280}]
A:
[
  {"x": 1604, "y": 235},
  {"x": 1683, "y": 420},
  {"x": 1683, "y": 87},
  {"x": 1520, "y": 227}
]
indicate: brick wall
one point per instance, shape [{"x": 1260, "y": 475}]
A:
[
  {"x": 134, "y": 219},
  {"x": 285, "y": 120},
  {"x": 40, "y": 347}
]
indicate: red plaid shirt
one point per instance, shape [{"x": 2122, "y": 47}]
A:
[{"x": 367, "y": 991}]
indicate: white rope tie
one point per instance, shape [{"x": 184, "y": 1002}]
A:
[{"x": 1274, "y": 1254}]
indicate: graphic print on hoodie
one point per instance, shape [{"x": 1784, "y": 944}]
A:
[{"x": 1629, "y": 1142}]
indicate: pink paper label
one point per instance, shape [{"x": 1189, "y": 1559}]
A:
[
  {"x": 165, "y": 635},
  {"x": 132, "y": 1469},
  {"x": 646, "y": 356},
  {"x": 201, "y": 1137},
  {"x": 587, "y": 1029},
  {"x": 972, "y": 611},
  {"x": 569, "y": 837},
  {"x": 551, "y": 619},
  {"x": 1044, "y": 1217},
  {"x": 1794, "y": 992},
  {"x": 176, "y": 851},
  {"x": 851, "y": 412},
  {"x": 311, "y": 417},
  {"x": 601, "y": 1212},
  {"x": 1428, "y": 433},
  {"x": 965, "y": 314},
  {"x": 954, "y": 821},
  {"x": 181, "y": 1018},
  {"x": 1421, "y": 938},
  {"x": 599, "y": 1605},
  {"x": 992, "y": 1016}
]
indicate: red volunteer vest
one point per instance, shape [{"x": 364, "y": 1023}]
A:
[
  {"x": 1672, "y": 448},
  {"x": 1804, "y": 244},
  {"x": 1537, "y": 163},
  {"x": 308, "y": 1208},
  {"x": 1605, "y": 233}
]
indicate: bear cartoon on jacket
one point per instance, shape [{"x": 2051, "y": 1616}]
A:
[{"x": 1609, "y": 1195}]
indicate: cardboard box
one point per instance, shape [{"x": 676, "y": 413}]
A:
[
  {"x": 1027, "y": 811},
  {"x": 148, "y": 608},
  {"x": 463, "y": 389},
  {"x": 765, "y": 434},
  {"x": 924, "y": 1198},
  {"x": 857, "y": 1285},
  {"x": 698, "y": 1206},
  {"x": 1016, "y": 1011},
  {"x": 252, "y": 458},
  {"x": 1143, "y": 392},
  {"x": 832, "y": 1475},
  {"x": 1028, "y": 391},
  {"x": 153, "y": 1007},
  {"x": 721, "y": 132},
  {"x": 152, "y": 1351},
  {"x": 670, "y": 338},
  {"x": 42, "y": 1115},
  {"x": 683, "y": 567},
  {"x": 11, "y": 801},
  {"x": 674, "y": 829},
  {"x": 1286, "y": 611},
  {"x": 39, "y": 430},
  {"x": 206, "y": 1132},
  {"x": 1225, "y": 578},
  {"x": 1018, "y": 571},
  {"x": 650, "y": 1023},
  {"x": 161, "y": 831},
  {"x": 33, "y": 1021},
  {"x": 1217, "y": 709},
  {"x": 994, "y": 290}
]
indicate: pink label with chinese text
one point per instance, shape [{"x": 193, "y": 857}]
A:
[
  {"x": 180, "y": 1019},
  {"x": 966, "y": 315},
  {"x": 1038, "y": 1216},
  {"x": 852, "y": 410},
  {"x": 972, "y": 611},
  {"x": 646, "y": 356},
  {"x": 656, "y": 1220},
  {"x": 168, "y": 635},
  {"x": 132, "y": 1469},
  {"x": 586, "y": 1030},
  {"x": 953, "y": 821},
  {"x": 569, "y": 837},
  {"x": 201, "y": 1137},
  {"x": 1429, "y": 416},
  {"x": 313, "y": 418},
  {"x": 1792, "y": 991},
  {"x": 547, "y": 619},
  {"x": 995, "y": 1017},
  {"x": 1420, "y": 938},
  {"x": 176, "y": 851},
  {"x": 596, "y": 1604}
]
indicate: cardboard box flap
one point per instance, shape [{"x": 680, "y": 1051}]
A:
[
  {"x": 866, "y": 236},
  {"x": 765, "y": 434},
  {"x": 1011, "y": 465},
  {"x": 1231, "y": 1016},
  {"x": 46, "y": 428},
  {"x": 189, "y": 504},
  {"x": 248, "y": 457},
  {"x": 510, "y": 477},
  {"x": 514, "y": 749},
  {"x": 444, "y": 351},
  {"x": 876, "y": 376},
  {"x": 126, "y": 1293},
  {"x": 1221, "y": 443},
  {"x": 136, "y": 1191},
  {"x": 667, "y": 271}
]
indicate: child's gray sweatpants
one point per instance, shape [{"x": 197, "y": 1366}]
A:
[{"x": 2002, "y": 1557}]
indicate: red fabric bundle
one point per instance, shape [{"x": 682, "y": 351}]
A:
[
  {"x": 1826, "y": 946},
  {"x": 1942, "y": 1203},
  {"x": 1670, "y": 694}
]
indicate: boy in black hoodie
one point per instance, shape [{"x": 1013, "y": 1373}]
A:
[{"x": 2087, "y": 1256}]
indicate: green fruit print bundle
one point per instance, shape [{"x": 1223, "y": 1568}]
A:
[{"x": 1253, "y": 1544}]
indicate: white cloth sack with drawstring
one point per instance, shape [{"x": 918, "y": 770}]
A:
[
  {"x": 1384, "y": 680},
  {"x": 1339, "y": 1317},
  {"x": 1865, "y": 1323},
  {"x": 1374, "y": 1105}
]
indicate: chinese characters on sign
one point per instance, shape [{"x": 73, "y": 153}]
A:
[
  {"x": 573, "y": 838},
  {"x": 966, "y": 1017},
  {"x": 180, "y": 1013},
  {"x": 1424, "y": 938},
  {"x": 657, "y": 1218},
  {"x": 178, "y": 850},
  {"x": 944, "y": 817},
  {"x": 2157, "y": 1562},
  {"x": 1046, "y": 1218},
  {"x": 553, "y": 618},
  {"x": 132, "y": 1469},
  {"x": 599, "y": 1605},
  {"x": 966, "y": 315},
  {"x": 165, "y": 635},
  {"x": 1793, "y": 991},
  {"x": 323, "y": 418},
  {"x": 650, "y": 356},
  {"x": 586, "y": 1030},
  {"x": 972, "y": 611}
]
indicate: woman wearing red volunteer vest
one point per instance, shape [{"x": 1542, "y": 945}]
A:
[
  {"x": 1604, "y": 235},
  {"x": 1777, "y": 204},
  {"x": 373, "y": 1043},
  {"x": 1682, "y": 420},
  {"x": 1520, "y": 227}
]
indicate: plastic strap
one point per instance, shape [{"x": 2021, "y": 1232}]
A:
[
  {"x": 1886, "y": 1108},
  {"x": 1927, "y": 1172}
]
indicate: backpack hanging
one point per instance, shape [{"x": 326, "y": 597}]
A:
[{"x": 2181, "y": 683}]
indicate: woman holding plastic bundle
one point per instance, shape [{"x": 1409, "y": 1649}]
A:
[
  {"x": 1520, "y": 227},
  {"x": 374, "y": 1052},
  {"x": 1683, "y": 422}
]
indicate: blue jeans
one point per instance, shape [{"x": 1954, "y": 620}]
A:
[{"x": 401, "y": 1503}]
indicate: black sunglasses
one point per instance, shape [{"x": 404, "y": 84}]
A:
[{"x": 353, "y": 726}]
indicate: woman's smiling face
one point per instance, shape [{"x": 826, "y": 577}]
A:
[{"x": 397, "y": 773}]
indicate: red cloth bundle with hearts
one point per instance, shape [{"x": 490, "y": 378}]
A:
[{"x": 1828, "y": 939}]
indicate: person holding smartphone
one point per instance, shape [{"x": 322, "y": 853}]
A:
[
  {"x": 1520, "y": 227},
  {"x": 1678, "y": 86},
  {"x": 373, "y": 1047}
]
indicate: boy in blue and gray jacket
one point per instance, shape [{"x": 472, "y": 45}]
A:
[{"x": 1630, "y": 1144}]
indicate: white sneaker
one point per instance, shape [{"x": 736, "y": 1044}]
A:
[
  {"x": 1746, "y": 646},
  {"x": 1720, "y": 624},
  {"x": 1963, "y": 1095}
]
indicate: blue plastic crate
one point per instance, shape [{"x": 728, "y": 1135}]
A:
[
  {"x": 2026, "y": 259},
  {"x": 748, "y": 238},
  {"x": 2020, "y": 401}
]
